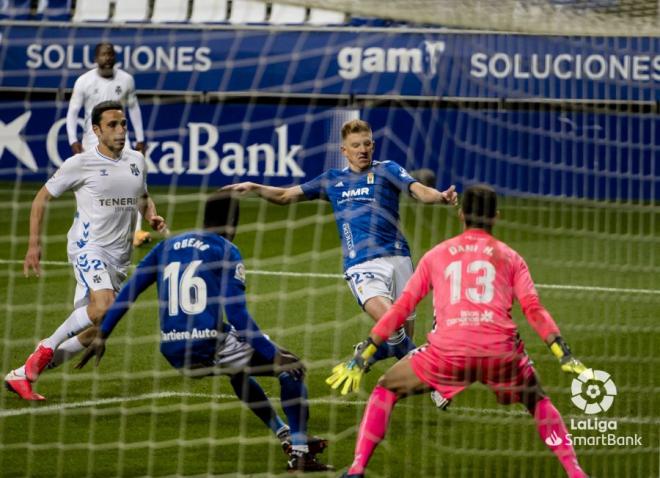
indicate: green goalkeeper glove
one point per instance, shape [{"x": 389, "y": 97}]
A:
[
  {"x": 350, "y": 373},
  {"x": 569, "y": 364}
]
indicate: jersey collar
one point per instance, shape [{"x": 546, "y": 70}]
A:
[
  {"x": 361, "y": 173},
  {"x": 98, "y": 74},
  {"x": 103, "y": 156},
  {"x": 477, "y": 231}
]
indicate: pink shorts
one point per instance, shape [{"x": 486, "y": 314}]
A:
[{"x": 509, "y": 377}]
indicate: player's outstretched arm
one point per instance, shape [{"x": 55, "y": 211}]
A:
[
  {"x": 562, "y": 351},
  {"x": 269, "y": 193},
  {"x": 33, "y": 255},
  {"x": 540, "y": 319},
  {"x": 544, "y": 325},
  {"x": 429, "y": 195}
]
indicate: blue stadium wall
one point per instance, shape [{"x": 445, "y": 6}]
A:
[{"x": 565, "y": 116}]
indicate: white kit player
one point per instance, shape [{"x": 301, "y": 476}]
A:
[
  {"x": 109, "y": 183},
  {"x": 105, "y": 83}
]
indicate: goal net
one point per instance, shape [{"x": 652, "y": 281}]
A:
[
  {"x": 553, "y": 103},
  {"x": 556, "y": 17}
]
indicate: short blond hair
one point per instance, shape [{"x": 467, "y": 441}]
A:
[{"x": 354, "y": 126}]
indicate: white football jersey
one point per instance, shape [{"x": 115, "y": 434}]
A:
[
  {"x": 107, "y": 193},
  {"x": 90, "y": 89}
]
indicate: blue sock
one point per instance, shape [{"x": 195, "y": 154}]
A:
[
  {"x": 382, "y": 352},
  {"x": 296, "y": 409},
  {"x": 402, "y": 348},
  {"x": 251, "y": 393}
]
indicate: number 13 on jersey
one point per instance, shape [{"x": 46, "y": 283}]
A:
[{"x": 480, "y": 273}]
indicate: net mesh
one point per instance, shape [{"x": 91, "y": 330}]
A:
[{"x": 556, "y": 17}]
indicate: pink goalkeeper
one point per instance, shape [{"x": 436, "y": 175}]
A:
[{"x": 475, "y": 279}]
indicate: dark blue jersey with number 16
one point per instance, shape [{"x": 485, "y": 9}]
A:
[{"x": 200, "y": 275}]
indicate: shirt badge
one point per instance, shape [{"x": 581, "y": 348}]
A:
[
  {"x": 239, "y": 273},
  {"x": 135, "y": 170},
  {"x": 370, "y": 178}
]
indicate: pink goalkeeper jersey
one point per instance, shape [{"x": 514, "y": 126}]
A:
[{"x": 475, "y": 279}]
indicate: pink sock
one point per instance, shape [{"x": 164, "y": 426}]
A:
[
  {"x": 373, "y": 427},
  {"x": 553, "y": 432}
]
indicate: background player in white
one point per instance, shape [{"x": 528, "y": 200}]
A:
[
  {"x": 474, "y": 278},
  {"x": 109, "y": 183},
  {"x": 105, "y": 83},
  {"x": 365, "y": 200}
]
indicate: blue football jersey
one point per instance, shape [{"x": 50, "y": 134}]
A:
[
  {"x": 199, "y": 275},
  {"x": 366, "y": 207}
]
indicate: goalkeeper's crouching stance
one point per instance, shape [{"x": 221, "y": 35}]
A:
[
  {"x": 475, "y": 279},
  {"x": 199, "y": 274}
]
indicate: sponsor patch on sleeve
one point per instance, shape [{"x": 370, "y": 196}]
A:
[{"x": 239, "y": 274}]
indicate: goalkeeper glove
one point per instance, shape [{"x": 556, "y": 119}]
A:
[
  {"x": 561, "y": 350},
  {"x": 350, "y": 373}
]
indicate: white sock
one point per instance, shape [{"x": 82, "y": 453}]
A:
[
  {"x": 77, "y": 321},
  {"x": 282, "y": 432},
  {"x": 20, "y": 371},
  {"x": 301, "y": 449},
  {"x": 65, "y": 351}
]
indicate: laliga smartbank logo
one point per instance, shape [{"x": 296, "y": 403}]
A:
[{"x": 593, "y": 392}]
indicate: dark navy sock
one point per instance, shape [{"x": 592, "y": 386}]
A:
[
  {"x": 382, "y": 352},
  {"x": 251, "y": 393},
  {"x": 296, "y": 409},
  {"x": 401, "y": 349}
]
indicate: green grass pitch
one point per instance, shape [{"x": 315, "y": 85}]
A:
[{"x": 134, "y": 416}]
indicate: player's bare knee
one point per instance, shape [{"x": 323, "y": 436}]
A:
[
  {"x": 95, "y": 312},
  {"x": 99, "y": 305},
  {"x": 391, "y": 383}
]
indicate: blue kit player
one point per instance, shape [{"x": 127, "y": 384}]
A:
[
  {"x": 365, "y": 199},
  {"x": 199, "y": 275}
]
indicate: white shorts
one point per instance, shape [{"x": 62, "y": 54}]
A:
[
  {"x": 380, "y": 277},
  {"x": 92, "y": 273},
  {"x": 232, "y": 356}
]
